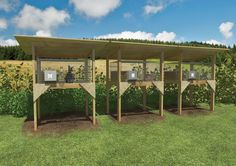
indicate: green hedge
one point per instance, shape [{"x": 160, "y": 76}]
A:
[
  {"x": 15, "y": 103},
  {"x": 16, "y": 92}
]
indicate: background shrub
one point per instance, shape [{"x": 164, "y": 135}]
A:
[{"x": 16, "y": 91}]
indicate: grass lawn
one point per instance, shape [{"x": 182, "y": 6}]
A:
[{"x": 187, "y": 140}]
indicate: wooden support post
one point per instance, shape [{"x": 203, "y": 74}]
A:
[
  {"x": 35, "y": 116},
  {"x": 93, "y": 80},
  {"x": 107, "y": 84},
  {"x": 213, "y": 77},
  {"x": 180, "y": 86},
  {"x": 38, "y": 109},
  {"x": 161, "y": 100},
  {"x": 38, "y": 79},
  {"x": 34, "y": 65},
  {"x": 144, "y": 88},
  {"x": 118, "y": 83},
  {"x": 191, "y": 89}
]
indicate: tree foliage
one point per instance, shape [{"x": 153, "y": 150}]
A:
[{"x": 13, "y": 53}]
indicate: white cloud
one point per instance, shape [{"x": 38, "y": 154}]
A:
[
  {"x": 127, "y": 15},
  {"x": 214, "y": 42},
  {"x": 153, "y": 9},
  {"x": 32, "y": 18},
  {"x": 8, "y": 42},
  {"x": 95, "y": 8},
  {"x": 3, "y": 23},
  {"x": 129, "y": 35},
  {"x": 156, "y": 6},
  {"x": 43, "y": 33},
  {"x": 8, "y": 5},
  {"x": 166, "y": 36},
  {"x": 226, "y": 29},
  {"x": 163, "y": 36}
]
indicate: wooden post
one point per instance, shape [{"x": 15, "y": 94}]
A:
[
  {"x": 191, "y": 89},
  {"x": 107, "y": 84},
  {"x": 144, "y": 88},
  {"x": 213, "y": 77},
  {"x": 93, "y": 80},
  {"x": 180, "y": 85},
  {"x": 161, "y": 100},
  {"x": 38, "y": 79},
  {"x": 34, "y": 82},
  {"x": 38, "y": 109},
  {"x": 118, "y": 84}
]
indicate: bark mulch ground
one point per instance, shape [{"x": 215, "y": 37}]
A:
[
  {"x": 60, "y": 124},
  {"x": 138, "y": 115}
]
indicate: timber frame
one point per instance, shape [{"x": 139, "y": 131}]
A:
[
  {"x": 122, "y": 86},
  {"x": 116, "y": 50},
  {"x": 40, "y": 88},
  {"x": 183, "y": 84}
]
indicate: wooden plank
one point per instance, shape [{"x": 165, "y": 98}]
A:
[
  {"x": 212, "y": 84},
  {"x": 119, "y": 87},
  {"x": 198, "y": 82},
  {"x": 34, "y": 89},
  {"x": 90, "y": 88},
  {"x": 184, "y": 85},
  {"x": 123, "y": 87},
  {"x": 93, "y": 93},
  {"x": 66, "y": 49},
  {"x": 94, "y": 111},
  {"x": 35, "y": 116},
  {"x": 64, "y": 85},
  {"x": 39, "y": 89},
  {"x": 180, "y": 86},
  {"x": 213, "y": 77},
  {"x": 161, "y": 85},
  {"x": 192, "y": 82}
]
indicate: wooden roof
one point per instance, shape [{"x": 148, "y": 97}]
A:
[{"x": 80, "y": 48}]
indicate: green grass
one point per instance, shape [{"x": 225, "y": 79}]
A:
[{"x": 189, "y": 140}]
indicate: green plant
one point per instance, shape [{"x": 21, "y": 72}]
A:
[
  {"x": 15, "y": 103},
  {"x": 16, "y": 91}
]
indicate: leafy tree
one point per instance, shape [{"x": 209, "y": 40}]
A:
[{"x": 13, "y": 53}]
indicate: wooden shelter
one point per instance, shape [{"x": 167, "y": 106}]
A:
[{"x": 119, "y": 53}]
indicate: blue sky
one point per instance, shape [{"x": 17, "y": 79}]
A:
[{"x": 165, "y": 20}]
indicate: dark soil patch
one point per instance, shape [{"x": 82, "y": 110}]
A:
[
  {"x": 137, "y": 115},
  {"x": 60, "y": 124},
  {"x": 189, "y": 111}
]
